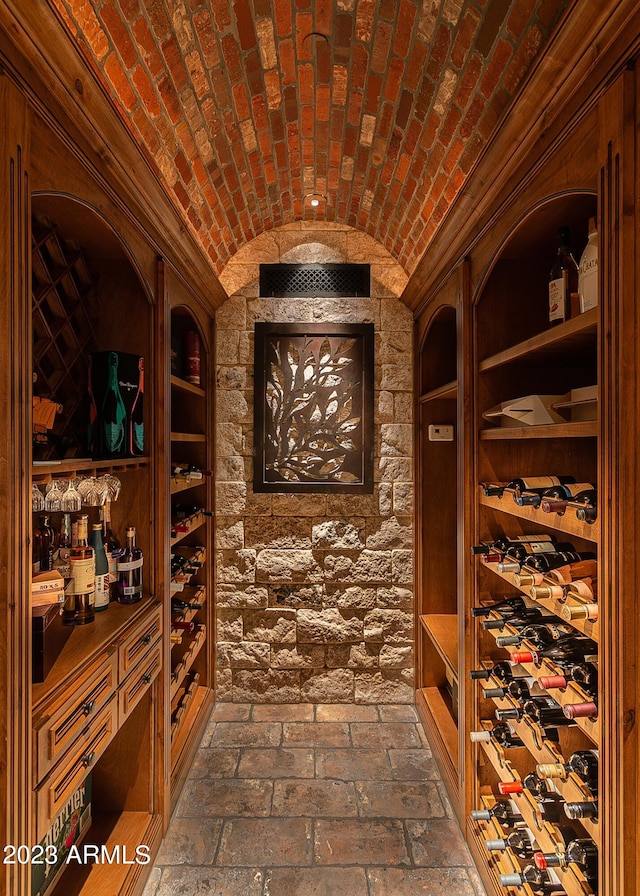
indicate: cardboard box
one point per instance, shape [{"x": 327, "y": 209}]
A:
[
  {"x": 67, "y": 831},
  {"x": 531, "y": 410},
  {"x": 49, "y": 636},
  {"x": 579, "y": 405}
]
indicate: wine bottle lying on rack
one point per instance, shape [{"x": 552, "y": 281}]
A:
[
  {"x": 561, "y": 575},
  {"x": 538, "y": 882},
  {"x": 508, "y": 607},
  {"x": 501, "y": 545},
  {"x": 578, "y": 810},
  {"x": 178, "y": 605},
  {"x": 516, "y": 557},
  {"x": 501, "y": 734},
  {"x": 580, "y": 611},
  {"x": 520, "y": 842},
  {"x": 542, "y": 561},
  {"x": 520, "y": 689},
  {"x": 504, "y": 672},
  {"x": 583, "y": 588},
  {"x": 586, "y": 710},
  {"x": 505, "y": 812},
  {"x": 529, "y": 491},
  {"x": 571, "y": 649},
  {"x": 557, "y": 498},
  {"x": 537, "y": 634},
  {"x": 524, "y": 618},
  {"x": 531, "y": 782},
  {"x": 584, "y": 674},
  {"x": 583, "y": 763},
  {"x": 580, "y": 852},
  {"x": 188, "y": 472},
  {"x": 184, "y": 511}
]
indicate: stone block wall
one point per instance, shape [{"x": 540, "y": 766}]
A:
[{"x": 314, "y": 592}]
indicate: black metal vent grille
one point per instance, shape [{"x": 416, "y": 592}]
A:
[{"x": 282, "y": 281}]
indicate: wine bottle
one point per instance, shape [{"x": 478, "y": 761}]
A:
[
  {"x": 61, "y": 562},
  {"x": 112, "y": 548},
  {"x": 518, "y": 620},
  {"x": 529, "y": 492},
  {"x": 563, "y": 555},
  {"x": 188, "y": 471},
  {"x": 500, "y": 733},
  {"x": 564, "y": 301},
  {"x": 516, "y": 558},
  {"x": 537, "y": 881},
  {"x": 539, "y": 635},
  {"x": 504, "y": 812},
  {"x": 584, "y": 674},
  {"x": 192, "y": 357},
  {"x": 136, "y": 422},
  {"x": 588, "y": 284},
  {"x": 507, "y": 607},
  {"x": 547, "y": 714},
  {"x": 182, "y": 625},
  {"x": 520, "y": 842},
  {"x": 113, "y": 413},
  {"x": 504, "y": 672},
  {"x": 556, "y": 499},
  {"x": 578, "y": 810},
  {"x": 130, "y": 571},
  {"x": 178, "y": 604},
  {"x": 571, "y": 649},
  {"x": 184, "y": 511},
  {"x": 101, "y": 569},
  {"x": 586, "y": 710},
  {"x": 586, "y": 507},
  {"x": 561, "y": 575},
  {"x": 501, "y": 545},
  {"x": 81, "y": 588},
  {"x": 580, "y": 852},
  {"x": 43, "y": 545},
  {"x": 531, "y": 782},
  {"x": 583, "y": 763}
]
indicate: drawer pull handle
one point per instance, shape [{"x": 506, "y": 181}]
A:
[
  {"x": 146, "y": 639},
  {"x": 147, "y": 678},
  {"x": 88, "y": 707},
  {"x": 88, "y": 758}
]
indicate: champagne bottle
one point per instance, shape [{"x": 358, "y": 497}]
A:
[
  {"x": 81, "y": 587},
  {"x": 113, "y": 413},
  {"x": 136, "y": 423},
  {"x": 130, "y": 571},
  {"x": 556, "y": 499},
  {"x": 101, "y": 569},
  {"x": 583, "y": 763},
  {"x": 588, "y": 285},
  {"x": 564, "y": 301}
]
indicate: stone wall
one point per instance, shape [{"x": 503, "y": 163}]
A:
[{"x": 314, "y": 592}]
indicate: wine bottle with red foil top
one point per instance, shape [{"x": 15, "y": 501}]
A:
[
  {"x": 183, "y": 625},
  {"x": 580, "y": 852},
  {"x": 557, "y": 498},
  {"x": 531, "y": 782},
  {"x": 588, "y": 709},
  {"x": 584, "y": 674},
  {"x": 529, "y": 491},
  {"x": 571, "y": 649},
  {"x": 583, "y": 763}
]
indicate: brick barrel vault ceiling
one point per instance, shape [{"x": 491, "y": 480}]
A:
[{"x": 245, "y": 106}]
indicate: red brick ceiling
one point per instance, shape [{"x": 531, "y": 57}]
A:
[{"x": 246, "y": 106}]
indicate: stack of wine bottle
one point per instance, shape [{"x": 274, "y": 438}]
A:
[
  {"x": 550, "y": 494},
  {"x": 547, "y": 686}
]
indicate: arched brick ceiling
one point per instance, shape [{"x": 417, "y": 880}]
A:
[{"x": 246, "y": 106}]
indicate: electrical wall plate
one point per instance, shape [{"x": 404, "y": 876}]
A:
[{"x": 440, "y": 432}]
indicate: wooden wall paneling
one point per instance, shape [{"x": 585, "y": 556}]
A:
[
  {"x": 619, "y": 470},
  {"x": 15, "y": 487}
]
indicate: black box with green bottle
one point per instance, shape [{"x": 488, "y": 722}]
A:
[{"x": 116, "y": 393}]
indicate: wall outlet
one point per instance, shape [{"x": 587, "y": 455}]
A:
[{"x": 440, "y": 432}]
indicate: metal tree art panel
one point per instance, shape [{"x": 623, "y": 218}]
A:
[{"x": 313, "y": 407}]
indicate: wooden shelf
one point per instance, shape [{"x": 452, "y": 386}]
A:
[
  {"x": 582, "y": 430},
  {"x": 442, "y": 629},
  {"x": 188, "y": 437},
  {"x": 182, "y": 669},
  {"x": 180, "y": 485},
  {"x": 447, "y": 390},
  {"x": 83, "y": 465},
  {"x": 580, "y": 331},
  {"x": 567, "y": 523},
  {"x": 178, "y": 383},
  {"x": 195, "y": 522},
  {"x": 441, "y": 728}
]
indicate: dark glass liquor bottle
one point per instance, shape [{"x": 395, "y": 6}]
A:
[
  {"x": 101, "y": 569},
  {"x": 44, "y": 544},
  {"x": 130, "y": 571},
  {"x": 80, "y": 592},
  {"x": 112, "y": 548},
  {"x": 564, "y": 298}
]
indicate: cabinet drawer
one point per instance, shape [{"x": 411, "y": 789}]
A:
[
  {"x": 59, "y": 723},
  {"x": 137, "y": 643},
  {"x": 137, "y": 684},
  {"x": 67, "y": 776}
]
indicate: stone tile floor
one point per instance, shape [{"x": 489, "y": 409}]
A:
[{"x": 313, "y": 800}]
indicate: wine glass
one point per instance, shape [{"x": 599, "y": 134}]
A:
[
  {"x": 113, "y": 485},
  {"x": 37, "y": 499},
  {"x": 90, "y": 492},
  {"x": 71, "y": 500},
  {"x": 53, "y": 497}
]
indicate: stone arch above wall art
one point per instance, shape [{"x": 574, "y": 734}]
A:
[{"x": 314, "y": 592}]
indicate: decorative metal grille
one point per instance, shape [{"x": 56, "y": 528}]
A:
[
  {"x": 313, "y": 407},
  {"x": 283, "y": 281}
]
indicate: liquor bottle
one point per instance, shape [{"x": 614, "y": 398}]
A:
[
  {"x": 81, "y": 588},
  {"x": 564, "y": 301},
  {"x": 130, "y": 571},
  {"x": 504, "y": 811},
  {"x": 507, "y": 607},
  {"x": 571, "y": 649},
  {"x": 43, "y": 545},
  {"x": 582, "y": 852},
  {"x": 520, "y": 842},
  {"x": 583, "y": 763},
  {"x": 588, "y": 271},
  {"x": 556, "y": 499},
  {"x": 501, "y": 545},
  {"x": 112, "y": 548},
  {"x": 61, "y": 563},
  {"x": 538, "y": 882},
  {"x": 101, "y": 569},
  {"x": 529, "y": 491},
  {"x": 113, "y": 413},
  {"x": 584, "y": 674},
  {"x": 500, "y": 733},
  {"x": 136, "y": 422}
]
